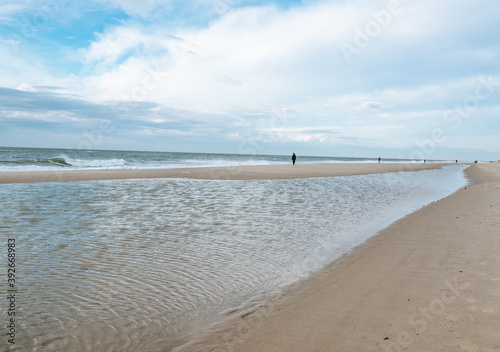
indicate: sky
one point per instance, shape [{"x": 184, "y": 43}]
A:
[{"x": 417, "y": 79}]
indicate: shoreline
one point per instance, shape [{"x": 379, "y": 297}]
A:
[
  {"x": 427, "y": 282},
  {"x": 253, "y": 172}
]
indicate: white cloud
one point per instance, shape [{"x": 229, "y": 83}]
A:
[
  {"x": 25, "y": 87},
  {"x": 234, "y": 70},
  {"x": 265, "y": 50},
  {"x": 255, "y": 54},
  {"x": 45, "y": 116}
]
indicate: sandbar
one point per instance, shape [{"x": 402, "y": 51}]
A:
[
  {"x": 253, "y": 172},
  {"x": 429, "y": 282}
]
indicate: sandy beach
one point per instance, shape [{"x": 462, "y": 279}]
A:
[
  {"x": 429, "y": 282},
  {"x": 263, "y": 172}
]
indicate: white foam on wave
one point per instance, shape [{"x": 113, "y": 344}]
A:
[
  {"x": 64, "y": 162},
  {"x": 95, "y": 164}
]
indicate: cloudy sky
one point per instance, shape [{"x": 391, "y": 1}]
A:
[{"x": 397, "y": 78}]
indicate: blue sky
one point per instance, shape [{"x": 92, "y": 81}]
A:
[{"x": 396, "y": 78}]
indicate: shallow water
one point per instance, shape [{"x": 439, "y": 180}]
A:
[{"x": 135, "y": 265}]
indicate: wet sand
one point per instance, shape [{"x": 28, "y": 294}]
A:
[
  {"x": 429, "y": 282},
  {"x": 264, "y": 172}
]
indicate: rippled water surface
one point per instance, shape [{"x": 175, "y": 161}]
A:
[{"x": 135, "y": 265}]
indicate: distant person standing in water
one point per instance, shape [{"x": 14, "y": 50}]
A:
[
  {"x": 294, "y": 157},
  {"x": 379, "y": 160}
]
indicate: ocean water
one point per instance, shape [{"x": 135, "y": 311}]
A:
[
  {"x": 36, "y": 159},
  {"x": 140, "y": 265}
]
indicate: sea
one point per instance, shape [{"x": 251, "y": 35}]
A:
[
  {"x": 147, "y": 265},
  {"x": 38, "y": 159}
]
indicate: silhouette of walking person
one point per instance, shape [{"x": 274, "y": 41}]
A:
[{"x": 294, "y": 157}]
